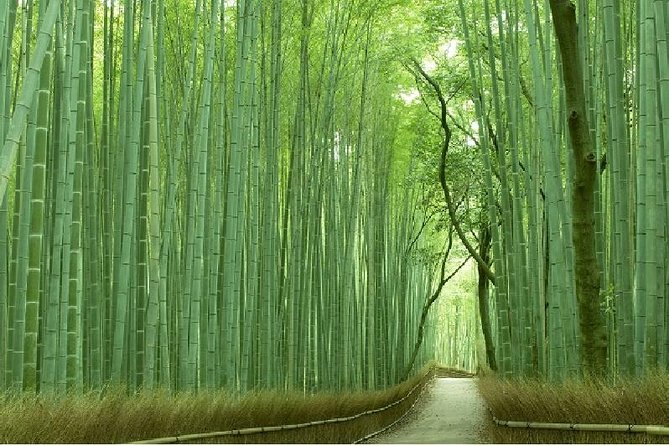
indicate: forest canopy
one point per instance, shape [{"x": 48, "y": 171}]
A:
[{"x": 273, "y": 194}]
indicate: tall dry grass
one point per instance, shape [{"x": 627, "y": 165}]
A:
[
  {"x": 114, "y": 417},
  {"x": 632, "y": 401}
]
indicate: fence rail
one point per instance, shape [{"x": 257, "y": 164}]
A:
[
  {"x": 633, "y": 428},
  {"x": 260, "y": 430}
]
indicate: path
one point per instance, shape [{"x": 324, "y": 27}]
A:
[{"x": 451, "y": 411}]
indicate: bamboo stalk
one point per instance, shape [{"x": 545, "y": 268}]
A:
[{"x": 638, "y": 428}]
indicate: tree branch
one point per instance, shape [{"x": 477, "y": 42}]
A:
[
  {"x": 442, "y": 176},
  {"x": 426, "y": 309}
]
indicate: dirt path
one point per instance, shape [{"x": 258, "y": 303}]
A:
[{"x": 451, "y": 411}]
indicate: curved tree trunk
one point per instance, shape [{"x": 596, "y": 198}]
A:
[{"x": 442, "y": 176}]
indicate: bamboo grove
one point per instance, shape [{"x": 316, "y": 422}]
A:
[
  {"x": 548, "y": 317},
  {"x": 197, "y": 194}
]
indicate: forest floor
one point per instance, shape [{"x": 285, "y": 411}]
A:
[{"x": 450, "y": 411}]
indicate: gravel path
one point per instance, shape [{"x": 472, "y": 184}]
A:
[{"x": 451, "y": 411}]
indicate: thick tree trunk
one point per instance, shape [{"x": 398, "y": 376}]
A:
[
  {"x": 485, "y": 241},
  {"x": 592, "y": 322}
]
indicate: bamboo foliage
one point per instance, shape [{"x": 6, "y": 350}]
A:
[
  {"x": 536, "y": 181},
  {"x": 206, "y": 211},
  {"x": 197, "y": 195}
]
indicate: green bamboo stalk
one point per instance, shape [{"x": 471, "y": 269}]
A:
[
  {"x": 4, "y": 244},
  {"x": 49, "y": 373},
  {"x": 235, "y": 209},
  {"x": 107, "y": 189},
  {"x": 33, "y": 291},
  {"x": 21, "y": 229},
  {"x": 662, "y": 53},
  {"x": 618, "y": 157},
  {"x": 645, "y": 261},
  {"x": 7, "y": 20},
  {"x": 270, "y": 236},
  {"x": 122, "y": 290},
  {"x": 153, "y": 317},
  {"x": 28, "y": 89},
  {"x": 251, "y": 237},
  {"x": 503, "y": 316}
]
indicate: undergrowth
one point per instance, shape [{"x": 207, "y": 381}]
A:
[
  {"x": 114, "y": 417},
  {"x": 633, "y": 401}
]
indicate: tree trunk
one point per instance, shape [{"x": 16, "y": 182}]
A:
[
  {"x": 592, "y": 323},
  {"x": 426, "y": 309},
  {"x": 442, "y": 176},
  {"x": 485, "y": 242}
]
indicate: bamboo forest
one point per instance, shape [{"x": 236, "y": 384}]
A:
[{"x": 327, "y": 195}]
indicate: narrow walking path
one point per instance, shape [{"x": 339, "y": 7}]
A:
[{"x": 452, "y": 411}]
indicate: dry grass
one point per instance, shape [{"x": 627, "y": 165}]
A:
[
  {"x": 114, "y": 417},
  {"x": 638, "y": 401}
]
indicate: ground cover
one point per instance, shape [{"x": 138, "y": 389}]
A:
[
  {"x": 642, "y": 401},
  {"x": 115, "y": 417}
]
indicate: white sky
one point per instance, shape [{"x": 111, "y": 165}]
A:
[
  {"x": 475, "y": 131},
  {"x": 429, "y": 64},
  {"x": 449, "y": 49},
  {"x": 409, "y": 96}
]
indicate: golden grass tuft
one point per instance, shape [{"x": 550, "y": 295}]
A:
[
  {"x": 112, "y": 416},
  {"x": 632, "y": 401}
]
